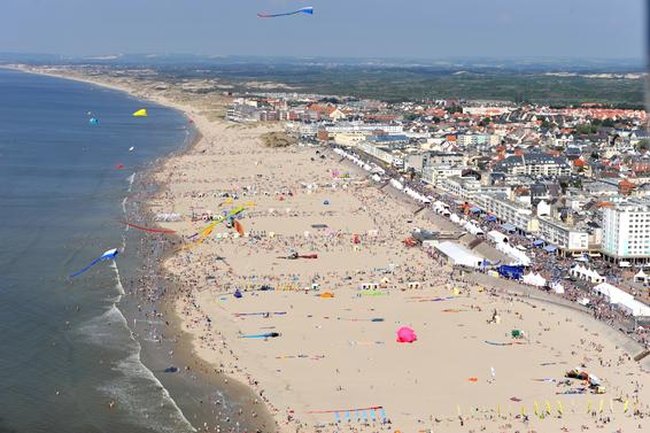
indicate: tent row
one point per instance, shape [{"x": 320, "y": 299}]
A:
[
  {"x": 622, "y": 299},
  {"x": 584, "y": 273},
  {"x": 502, "y": 244},
  {"x": 416, "y": 195},
  {"x": 365, "y": 166}
]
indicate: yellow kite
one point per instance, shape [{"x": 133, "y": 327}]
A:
[{"x": 142, "y": 112}]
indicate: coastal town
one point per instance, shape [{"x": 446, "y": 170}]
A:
[
  {"x": 346, "y": 259},
  {"x": 563, "y": 192}
]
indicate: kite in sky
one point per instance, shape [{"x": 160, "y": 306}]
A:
[
  {"x": 307, "y": 10},
  {"x": 108, "y": 255},
  {"x": 148, "y": 229}
]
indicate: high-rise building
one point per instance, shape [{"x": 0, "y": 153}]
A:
[{"x": 626, "y": 231}]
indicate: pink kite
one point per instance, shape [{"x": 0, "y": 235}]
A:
[{"x": 406, "y": 335}]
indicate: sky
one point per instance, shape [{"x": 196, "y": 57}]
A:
[{"x": 427, "y": 29}]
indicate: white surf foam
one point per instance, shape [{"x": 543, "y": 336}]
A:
[{"x": 136, "y": 388}]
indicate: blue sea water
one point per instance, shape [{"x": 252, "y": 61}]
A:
[{"x": 65, "y": 347}]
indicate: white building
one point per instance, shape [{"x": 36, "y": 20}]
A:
[
  {"x": 435, "y": 173},
  {"x": 566, "y": 238},
  {"x": 626, "y": 231},
  {"x": 464, "y": 188},
  {"x": 364, "y": 128},
  {"x": 534, "y": 163},
  {"x": 478, "y": 139},
  {"x": 384, "y": 154},
  {"x": 507, "y": 211}
]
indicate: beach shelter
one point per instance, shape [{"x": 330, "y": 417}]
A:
[
  {"x": 326, "y": 295},
  {"x": 458, "y": 254},
  {"x": 550, "y": 248},
  {"x": 497, "y": 237},
  {"x": 406, "y": 335},
  {"x": 508, "y": 227},
  {"x": 142, "y": 112},
  {"x": 534, "y": 280},
  {"x": 641, "y": 276},
  {"x": 557, "y": 288},
  {"x": 538, "y": 243},
  {"x": 515, "y": 272}
]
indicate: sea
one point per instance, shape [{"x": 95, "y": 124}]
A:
[{"x": 70, "y": 360}]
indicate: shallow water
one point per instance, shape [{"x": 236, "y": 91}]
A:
[{"x": 65, "y": 348}]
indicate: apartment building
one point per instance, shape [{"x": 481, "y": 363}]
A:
[{"x": 626, "y": 231}]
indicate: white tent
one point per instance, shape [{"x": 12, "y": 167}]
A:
[
  {"x": 473, "y": 228},
  {"x": 396, "y": 184},
  {"x": 498, "y": 237},
  {"x": 454, "y": 218},
  {"x": 519, "y": 256},
  {"x": 557, "y": 288},
  {"x": 623, "y": 299},
  {"x": 534, "y": 280},
  {"x": 584, "y": 273},
  {"x": 641, "y": 276},
  {"x": 458, "y": 254}
]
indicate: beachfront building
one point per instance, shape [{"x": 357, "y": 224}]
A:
[
  {"x": 534, "y": 164},
  {"x": 383, "y": 153},
  {"x": 565, "y": 238},
  {"x": 419, "y": 161},
  {"x": 626, "y": 231},
  {"x": 434, "y": 174},
  {"x": 464, "y": 188},
  {"x": 518, "y": 215},
  {"x": 366, "y": 128}
]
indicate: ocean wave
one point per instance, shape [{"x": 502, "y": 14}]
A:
[
  {"x": 136, "y": 388},
  {"x": 131, "y": 179},
  {"x": 118, "y": 285},
  {"x": 141, "y": 394}
]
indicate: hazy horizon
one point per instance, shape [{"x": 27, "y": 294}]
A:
[{"x": 362, "y": 29}]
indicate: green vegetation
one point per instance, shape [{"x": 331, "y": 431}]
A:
[{"x": 278, "y": 139}]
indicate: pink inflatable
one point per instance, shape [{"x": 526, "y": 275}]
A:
[{"x": 406, "y": 335}]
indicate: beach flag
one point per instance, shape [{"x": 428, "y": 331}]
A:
[
  {"x": 523, "y": 411},
  {"x": 588, "y": 406},
  {"x": 337, "y": 417},
  {"x": 142, "y": 112},
  {"x": 347, "y": 416},
  {"x": 626, "y": 406},
  {"x": 384, "y": 419},
  {"x": 536, "y": 408},
  {"x": 601, "y": 406},
  {"x": 560, "y": 409},
  {"x": 458, "y": 412},
  {"x": 548, "y": 407}
]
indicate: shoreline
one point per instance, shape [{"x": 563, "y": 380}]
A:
[
  {"x": 354, "y": 210},
  {"x": 183, "y": 347}
]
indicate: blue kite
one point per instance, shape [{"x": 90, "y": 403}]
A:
[
  {"x": 307, "y": 11},
  {"x": 108, "y": 255}
]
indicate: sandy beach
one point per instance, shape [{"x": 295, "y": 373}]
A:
[{"x": 331, "y": 361}]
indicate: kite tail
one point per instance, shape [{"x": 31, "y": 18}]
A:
[
  {"x": 147, "y": 229},
  {"x": 90, "y": 265}
]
